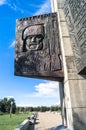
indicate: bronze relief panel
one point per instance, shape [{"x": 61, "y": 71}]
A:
[{"x": 38, "y": 51}]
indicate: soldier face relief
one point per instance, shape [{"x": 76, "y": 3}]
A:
[
  {"x": 33, "y": 38},
  {"x": 34, "y": 42}
]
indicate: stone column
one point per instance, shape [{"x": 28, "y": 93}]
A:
[
  {"x": 62, "y": 103},
  {"x": 74, "y": 84}
]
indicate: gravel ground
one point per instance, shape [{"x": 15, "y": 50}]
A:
[{"x": 47, "y": 120}]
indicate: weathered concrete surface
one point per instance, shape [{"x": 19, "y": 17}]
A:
[
  {"x": 74, "y": 84},
  {"x": 47, "y": 120},
  {"x": 75, "y": 13}
]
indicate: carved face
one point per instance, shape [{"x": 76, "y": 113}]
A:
[
  {"x": 34, "y": 42},
  {"x": 33, "y": 37}
]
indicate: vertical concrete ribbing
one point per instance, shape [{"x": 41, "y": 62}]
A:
[{"x": 64, "y": 36}]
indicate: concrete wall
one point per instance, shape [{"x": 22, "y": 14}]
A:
[
  {"x": 27, "y": 124},
  {"x": 24, "y": 125},
  {"x": 74, "y": 84}
]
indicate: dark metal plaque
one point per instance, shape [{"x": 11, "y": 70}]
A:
[
  {"x": 37, "y": 47},
  {"x": 75, "y": 11}
]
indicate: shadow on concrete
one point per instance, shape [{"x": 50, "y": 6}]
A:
[
  {"x": 32, "y": 125},
  {"x": 37, "y": 123},
  {"x": 60, "y": 127}
]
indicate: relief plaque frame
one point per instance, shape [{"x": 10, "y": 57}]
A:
[{"x": 37, "y": 51}]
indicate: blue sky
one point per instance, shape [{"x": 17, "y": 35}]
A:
[{"x": 25, "y": 91}]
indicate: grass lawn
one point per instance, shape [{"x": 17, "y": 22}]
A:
[{"x": 7, "y": 123}]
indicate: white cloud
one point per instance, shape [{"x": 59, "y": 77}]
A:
[
  {"x": 46, "y": 90},
  {"x": 44, "y": 8},
  {"x": 12, "y": 5},
  {"x": 15, "y": 7},
  {"x": 2, "y": 2},
  {"x": 45, "y": 93},
  {"x": 9, "y": 97},
  {"x": 12, "y": 44},
  {"x": 24, "y": 105}
]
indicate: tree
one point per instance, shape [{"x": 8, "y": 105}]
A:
[
  {"x": 12, "y": 102},
  {"x": 5, "y": 105}
]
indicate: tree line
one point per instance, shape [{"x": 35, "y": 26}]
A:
[
  {"x": 38, "y": 109},
  {"x": 6, "y": 104}
]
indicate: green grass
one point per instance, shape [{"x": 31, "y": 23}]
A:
[{"x": 7, "y": 123}]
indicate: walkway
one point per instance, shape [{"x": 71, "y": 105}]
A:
[{"x": 47, "y": 120}]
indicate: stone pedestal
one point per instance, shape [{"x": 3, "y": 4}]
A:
[{"x": 74, "y": 84}]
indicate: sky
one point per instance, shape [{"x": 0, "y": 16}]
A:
[{"x": 25, "y": 91}]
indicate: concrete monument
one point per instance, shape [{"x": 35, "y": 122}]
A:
[
  {"x": 48, "y": 44},
  {"x": 72, "y": 29}
]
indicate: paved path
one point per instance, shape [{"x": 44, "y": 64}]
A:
[{"x": 47, "y": 120}]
